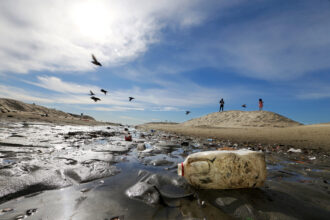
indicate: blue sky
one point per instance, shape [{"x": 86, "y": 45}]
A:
[{"x": 171, "y": 55}]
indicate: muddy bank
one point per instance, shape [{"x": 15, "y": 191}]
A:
[
  {"x": 95, "y": 174},
  {"x": 304, "y": 136}
]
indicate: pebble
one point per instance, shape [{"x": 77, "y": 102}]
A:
[
  {"x": 6, "y": 210},
  {"x": 30, "y": 212},
  {"x": 141, "y": 147}
]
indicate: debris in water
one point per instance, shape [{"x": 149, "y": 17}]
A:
[
  {"x": 128, "y": 138},
  {"x": 294, "y": 150}
]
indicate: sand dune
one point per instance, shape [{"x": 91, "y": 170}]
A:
[
  {"x": 14, "y": 110},
  {"x": 236, "y": 119}
]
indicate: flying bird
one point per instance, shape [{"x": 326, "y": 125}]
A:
[
  {"x": 131, "y": 98},
  {"x": 95, "y": 99},
  {"x": 104, "y": 91},
  {"x": 91, "y": 93},
  {"x": 95, "y": 61},
  {"x": 244, "y": 106},
  {"x": 187, "y": 112}
]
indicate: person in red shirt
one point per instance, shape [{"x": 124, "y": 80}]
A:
[{"x": 261, "y": 104}]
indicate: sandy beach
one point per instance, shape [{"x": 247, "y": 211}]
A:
[{"x": 263, "y": 130}]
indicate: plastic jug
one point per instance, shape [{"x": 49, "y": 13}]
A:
[{"x": 224, "y": 169}]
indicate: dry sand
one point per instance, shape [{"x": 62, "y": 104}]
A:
[
  {"x": 271, "y": 129},
  {"x": 239, "y": 119}
]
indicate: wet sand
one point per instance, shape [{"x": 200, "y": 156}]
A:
[
  {"x": 304, "y": 136},
  {"x": 84, "y": 172}
]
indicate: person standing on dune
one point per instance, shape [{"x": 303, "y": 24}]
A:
[
  {"x": 222, "y": 103},
  {"x": 261, "y": 104}
]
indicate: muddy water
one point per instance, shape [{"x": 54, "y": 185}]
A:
[{"x": 70, "y": 172}]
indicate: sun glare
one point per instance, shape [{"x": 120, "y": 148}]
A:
[{"x": 90, "y": 18}]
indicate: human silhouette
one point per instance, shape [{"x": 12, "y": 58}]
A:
[
  {"x": 261, "y": 104},
  {"x": 222, "y": 103}
]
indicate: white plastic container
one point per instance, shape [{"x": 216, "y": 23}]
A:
[{"x": 224, "y": 169}]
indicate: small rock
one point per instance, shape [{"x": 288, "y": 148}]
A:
[
  {"x": 185, "y": 143},
  {"x": 19, "y": 217},
  {"x": 6, "y": 210},
  {"x": 31, "y": 212},
  {"x": 118, "y": 218},
  {"x": 141, "y": 147}
]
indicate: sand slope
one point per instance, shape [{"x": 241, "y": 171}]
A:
[
  {"x": 237, "y": 119},
  {"x": 11, "y": 105},
  {"x": 14, "y": 110}
]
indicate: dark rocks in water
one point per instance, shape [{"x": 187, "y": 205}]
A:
[
  {"x": 155, "y": 188},
  {"x": 30, "y": 212},
  {"x": 118, "y": 218},
  {"x": 161, "y": 162},
  {"x": 185, "y": 143},
  {"x": 87, "y": 135},
  {"x": 96, "y": 171},
  {"x": 145, "y": 192}
]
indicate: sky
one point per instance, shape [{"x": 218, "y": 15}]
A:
[{"x": 171, "y": 55}]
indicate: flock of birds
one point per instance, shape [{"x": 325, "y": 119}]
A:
[
  {"x": 95, "y": 99},
  {"x": 91, "y": 93}
]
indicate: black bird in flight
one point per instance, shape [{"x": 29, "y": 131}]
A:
[
  {"x": 91, "y": 93},
  {"x": 95, "y": 61},
  {"x": 104, "y": 91},
  {"x": 187, "y": 112},
  {"x": 131, "y": 98},
  {"x": 244, "y": 106},
  {"x": 95, "y": 99}
]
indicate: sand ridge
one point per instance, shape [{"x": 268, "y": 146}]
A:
[
  {"x": 17, "y": 111},
  {"x": 237, "y": 119}
]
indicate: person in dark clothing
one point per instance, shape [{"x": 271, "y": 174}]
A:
[
  {"x": 261, "y": 104},
  {"x": 222, "y": 103}
]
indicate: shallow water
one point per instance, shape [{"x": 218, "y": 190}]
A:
[{"x": 85, "y": 175}]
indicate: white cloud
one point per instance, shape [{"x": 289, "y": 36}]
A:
[
  {"x": 11, "y": 92},
  {"x": 313, "y": 90},
  {"x": 279, "y": 45},
  {"x": 61, "y": 35},
  {"x": 116, "y": 108},
  {"x": 173, "y": 97},
  {"x": 56, "y": 84}
]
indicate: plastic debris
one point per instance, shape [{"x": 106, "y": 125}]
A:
[
  {"x": 128, "y": 138},
  {"x": 224, "y": 169},
  {"x": 294, "y": 150}
]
